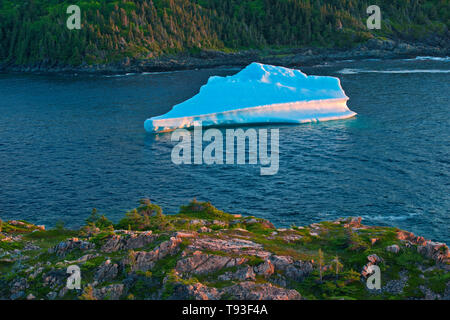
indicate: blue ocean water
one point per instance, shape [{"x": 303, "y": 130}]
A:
[{"x": 69, "y": 143}]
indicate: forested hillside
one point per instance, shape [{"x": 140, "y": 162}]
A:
[{"x": 35, "y": 30}]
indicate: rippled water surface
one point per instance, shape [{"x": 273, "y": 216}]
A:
[{"x": 69, "y": 143}]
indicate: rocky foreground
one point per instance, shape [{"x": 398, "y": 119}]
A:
[{"x": 203, "y": 253}]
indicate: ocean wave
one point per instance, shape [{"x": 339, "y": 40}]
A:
[
  {"x": 129, "y": 74},
  {"x": 356, "y": 71},
  {"x": 348, "y": 71},
  {"x": 120, "y": 75},
  {"x": 160, "y": 72},
  {"x": 424, "y": 58},
  {"x": 377, "y": 218}
]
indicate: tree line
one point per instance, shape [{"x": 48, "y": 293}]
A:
[{"x": 34, "y": 31}]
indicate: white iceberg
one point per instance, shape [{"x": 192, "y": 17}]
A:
[{"x": 256, "y": 95}]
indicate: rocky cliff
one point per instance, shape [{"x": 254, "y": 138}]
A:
[{"x": 203, "y": 253}]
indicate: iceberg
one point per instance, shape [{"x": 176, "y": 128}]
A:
[{"x": 259, "y": 94}]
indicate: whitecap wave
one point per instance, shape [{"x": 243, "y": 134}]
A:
[
  {"x": 120, "y": 75},
  {"x": 160, "y": 72},
  {"x": 278, "y": 95},
  {"x": 424, "y": 58},
  {"x": 129, "y": 74}
]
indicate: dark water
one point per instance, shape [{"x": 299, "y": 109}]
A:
[{"x": 72, "y": 143}]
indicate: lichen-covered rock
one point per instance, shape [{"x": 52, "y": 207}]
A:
[
  {"x": 31, "y": 247},
  {"x": 265, "y": 269},
  {"x": 62, "y": 248},
  {"x": 107, "y": 271},
  {"x": 195, "y": 291}
]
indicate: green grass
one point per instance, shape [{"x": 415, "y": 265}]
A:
[{"x": 437, "y": 280}]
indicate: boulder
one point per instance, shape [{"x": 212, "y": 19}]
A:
[
  {"x": 394, "y": 249},
  {"x": 195, "y": 291},
  {"x": 439, "y": 252},
  {"x": 264, "y": 223},
  {"x": 144, "y": 261},
  {"x": 107, "y": 271},
  {"x": 233, "y": 245},
  {"x": 111, "y": 292},
  {"x": 373, "y": 260},
  {"x": 204, "y": 230},
  {"x": 410, "y": 237},
  {"x": 265, "y": 269},
  {"x": 52, "y": 295},
  {"x": 202, "y": 263},
  {"x": 219, "y": 223},
  {"x": 55, "y": 278},
  {"x": 292, "y": 237},
  {"x": 242, "y": 274}
]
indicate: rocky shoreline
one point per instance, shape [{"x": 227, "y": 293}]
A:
[
  {"x": 205, "y": 254},
  {"x": 373, "y": 49}
]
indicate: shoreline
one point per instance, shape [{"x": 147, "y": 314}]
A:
[{"x": 207, "y": 59}]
